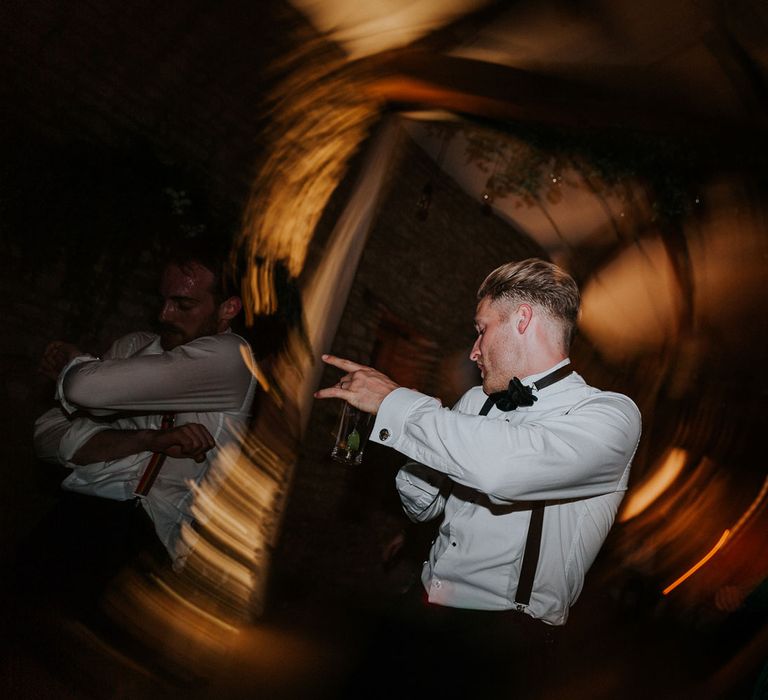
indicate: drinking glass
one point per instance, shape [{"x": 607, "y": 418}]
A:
[{"x": 352, "y": 435}]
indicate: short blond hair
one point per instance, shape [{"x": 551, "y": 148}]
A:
[{"x": 538, "y": 282}]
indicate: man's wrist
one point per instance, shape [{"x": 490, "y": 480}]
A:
[
  {"x": 147, "y": 438},
  {"x": 389, "y": 425}
]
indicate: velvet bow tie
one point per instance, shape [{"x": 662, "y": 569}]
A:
[{"x": 518, "y": 394}]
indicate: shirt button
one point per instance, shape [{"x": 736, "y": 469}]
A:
[
  {"x": 437, "y": 584},
  {"x": 383, "y": 434},
  {"x": 453, "y": 544}
]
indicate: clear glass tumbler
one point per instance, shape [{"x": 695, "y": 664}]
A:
[{"x": 352, "y": 435}]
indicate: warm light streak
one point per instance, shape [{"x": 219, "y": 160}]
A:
[
  {"x": 699, "y": 564},
  {"x": 254, "y": 368},
  {"x": 178, "y": 621},
  {"x": 225, "y": 524},
  {"x": 365, "y": 28},
  {"x": 192, "y": 608},
  {"x": 645, "y": 493},
  {"x": 221, "y": 503},
  {"x": 233, "y": 507},
  {"x": 321, "y": 115},
  {"x": 232, "y": 579},
  {"x": 752, "y": 508},
  {"x": 633, "y": 304}
]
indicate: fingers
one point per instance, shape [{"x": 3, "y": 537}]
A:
[
  {"x": 55, "y": 357},
  {"x": 342, "y": 388},
  {"x": 51, "y": 353},
  {"x": 341, "y": 363},
  {"x": 53, "y": 360},
  {"x": 333, "y": 392},
  {"x": 362, "y": 387},
  {"x": 53, "y": 345},
  {"x": 393, "y": 548},
  {"x": 199, "y": 440},
  {"x": 189, "y": 440}
]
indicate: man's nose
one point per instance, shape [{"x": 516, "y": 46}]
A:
[
  {"x": 475, "y": 353},
  {"x": 166, "y": 311}
]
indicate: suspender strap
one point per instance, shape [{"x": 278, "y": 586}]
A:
[
  {"x": 535, "y": 529},
  {"x": 530, "y": 555},
  {"x": 155, "y": 463},
  {"x": 487, "y": 406}
]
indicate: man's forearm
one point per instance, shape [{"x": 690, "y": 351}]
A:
[
  {"x": 206, "y": 374},
  {"x": 113, "y": 444},
  {"x": 191, "y": 440}
]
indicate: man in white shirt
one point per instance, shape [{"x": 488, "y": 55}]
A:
[
  {"x": 540, "y": 484},
  {"x": 172, "y": 400}
]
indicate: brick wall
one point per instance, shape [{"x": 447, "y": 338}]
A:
[{"x": 426, "y": 274}]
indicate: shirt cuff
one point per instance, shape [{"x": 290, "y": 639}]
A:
[
  {"x": 389, "y": 427},
  {"x": 60, "y": 397},
  {"x": 418, "y": 487}
]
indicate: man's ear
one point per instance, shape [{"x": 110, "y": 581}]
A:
[
  {"x": 229, "y": 308},
  {"x": 523, "y": 318}
]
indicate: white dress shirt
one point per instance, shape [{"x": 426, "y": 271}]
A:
[
  {"x": 572, "y": 448},
  {"x": 204, "y": 381}
]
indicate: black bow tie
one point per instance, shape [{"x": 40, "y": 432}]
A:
[{"x": 517, "y": 394}]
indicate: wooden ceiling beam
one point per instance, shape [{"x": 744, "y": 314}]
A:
[{"x": 422, "y": 79}]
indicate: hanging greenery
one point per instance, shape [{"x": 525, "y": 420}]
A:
[{"x": 532, "y": 162}]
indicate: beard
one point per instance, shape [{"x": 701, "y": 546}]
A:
[{"x": 172, "y": 336}]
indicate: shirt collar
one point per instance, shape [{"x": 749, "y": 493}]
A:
[{"x": 531, "y": 378}]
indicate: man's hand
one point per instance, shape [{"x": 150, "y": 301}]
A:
[
  {"x": 188, "y": 440},
  {"x": 363, "y": 387},
  {"x": 56, "y": 357}
]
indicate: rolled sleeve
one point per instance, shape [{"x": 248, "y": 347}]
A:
[
  {"x": 48, "y": 432},
  {"x": 207, "y": 374},
  {"x": 422, "y": 490},
  {"x": 61, "y": 396},
  {"x": 80, "y": 431}
]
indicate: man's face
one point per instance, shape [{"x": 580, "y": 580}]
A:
[
  {"x": 189, "y": 309},
  {"x": 497, "y": 348}
]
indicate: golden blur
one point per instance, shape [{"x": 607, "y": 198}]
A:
[
  {"x": 687, "y": 523},
  {"x": 320, "y": 116},
  {"x": 654, "y": 485},
  {"x": 670, "y": 323}
]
